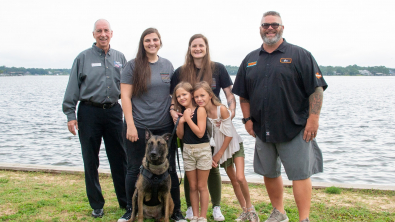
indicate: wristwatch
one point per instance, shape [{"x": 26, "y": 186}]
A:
[{"x": 244, "y": 120}]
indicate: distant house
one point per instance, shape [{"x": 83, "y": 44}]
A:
[
  {"x": 365, "y": 72},
  {"x": 378, "y": 74}
]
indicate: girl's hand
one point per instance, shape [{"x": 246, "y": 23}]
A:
[
  {"x": 187, "y": 113},
  {"x": 216, "y": 158},
  {"x": 214, "y": 164},
  {"x": 131, "y": 134},
  {"x": 182, "y": 120}
]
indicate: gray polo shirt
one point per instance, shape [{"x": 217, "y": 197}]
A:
[
  {"x": 151, "y": 109},
  {"x": 94, "y": 77}
]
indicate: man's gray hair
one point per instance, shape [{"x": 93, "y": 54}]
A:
[
  {"x": 94, "y": 25},
  {"x": 272, "y": 13}
]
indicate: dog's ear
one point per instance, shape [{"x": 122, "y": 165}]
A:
[
  {"x": 148, "y": 134},
  {"x": 166, "y": 136}
]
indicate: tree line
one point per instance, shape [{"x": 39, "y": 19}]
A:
[
  {"x": 232, "y": 70},
  {"x": 32, "y": 71},
  {"x": 339, "y": 70},
  {"x": 355, "y": 70}
]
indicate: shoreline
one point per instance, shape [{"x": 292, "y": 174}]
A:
[{"x": 225, "y": 180}]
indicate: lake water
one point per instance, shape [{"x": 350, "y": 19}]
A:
[{"x": 356, "y": 134}]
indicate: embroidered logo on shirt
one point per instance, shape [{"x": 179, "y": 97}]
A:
[
  {"x": 318, "y": 75},
  {"x": 251, "y": 64},
  {"x": 267, "y": 133},
  {"x": 96, "y": 64},
  {"x": 117, "y": 64},
  {"x": 286, "y": 60},
  {"x": 165, "y": 77}
]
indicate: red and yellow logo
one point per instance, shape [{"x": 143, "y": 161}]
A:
[{"x": 318, "y": 75}]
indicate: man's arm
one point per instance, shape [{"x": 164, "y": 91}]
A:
[
  {"x": 315, "y": 104},
  {"x": 245, "y": 109},
  {"x": 71, "y": 97},
  {"x": 230, "y": 98}
]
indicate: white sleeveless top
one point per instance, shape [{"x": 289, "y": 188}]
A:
[{"x": 226, "y": 129}]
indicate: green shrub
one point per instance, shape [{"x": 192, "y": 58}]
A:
[{"x": 333, "y": 190}]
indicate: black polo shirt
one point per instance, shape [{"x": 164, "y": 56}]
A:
[{"x": 278, "y": 86}]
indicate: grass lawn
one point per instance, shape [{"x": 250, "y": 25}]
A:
[{"x": 37, "y": 196}]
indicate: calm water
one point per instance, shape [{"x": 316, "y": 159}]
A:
[{"x": 356, "y": 134}]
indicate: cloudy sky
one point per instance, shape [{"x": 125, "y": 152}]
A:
[{"x": 51, "y": 33}]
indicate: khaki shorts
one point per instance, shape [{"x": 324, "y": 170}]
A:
[{"x": 197, "y": 156}]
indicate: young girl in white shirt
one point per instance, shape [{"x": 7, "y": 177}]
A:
[
  {"x": 197, "y": 151},
  {"x": 228, "y": 146}
]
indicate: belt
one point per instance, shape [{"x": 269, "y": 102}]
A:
[{"x": 100, "y": 105}]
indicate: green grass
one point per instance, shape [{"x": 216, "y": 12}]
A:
[
  {"x": 32, "y": 196},
  {"x": 333, "y": 190}
]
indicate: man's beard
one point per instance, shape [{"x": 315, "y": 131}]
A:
[{"x": 274, "y": 40}]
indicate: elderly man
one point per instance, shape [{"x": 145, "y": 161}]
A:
[
  {"x": 281, "y": 92},
  {"x": 94, "y": 81}
]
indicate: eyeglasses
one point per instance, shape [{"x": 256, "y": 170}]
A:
[{"x": 273, "y": 25}]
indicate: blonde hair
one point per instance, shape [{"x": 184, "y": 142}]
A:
[
  {"x": 187, "y": 87},
  {"x": 204, "y": 85}
]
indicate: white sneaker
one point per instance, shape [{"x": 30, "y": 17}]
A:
[
  {"x": 217, "y": 214},
  {"x": 189, "y": 213}
]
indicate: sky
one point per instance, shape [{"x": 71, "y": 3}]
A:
[{"x": 51, "y": 33}]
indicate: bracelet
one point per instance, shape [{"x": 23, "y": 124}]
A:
[{"x": 171, "y": 109}]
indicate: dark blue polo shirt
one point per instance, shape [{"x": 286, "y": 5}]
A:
[{"x": 278, "y": 86}]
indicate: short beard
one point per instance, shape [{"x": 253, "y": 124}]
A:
[{"x": 274, "y": 40}]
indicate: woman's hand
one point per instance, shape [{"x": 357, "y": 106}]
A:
[
  {"x": 131, "y": 134},
  {"x": 174, "y": 115}
]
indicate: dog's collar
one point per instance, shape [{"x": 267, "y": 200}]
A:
[{"x": 156, "y": 169}]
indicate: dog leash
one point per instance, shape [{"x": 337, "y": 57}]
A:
[{"x": 169, "y": 145}]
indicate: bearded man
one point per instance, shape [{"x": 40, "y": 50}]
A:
[{"x": 281, "y": 91}]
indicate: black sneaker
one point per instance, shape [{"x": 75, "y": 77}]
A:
[
  {"x": 97, "y": 213},
  {"x": 177, "y": 216},
  {"x": 126, "y": 216}
]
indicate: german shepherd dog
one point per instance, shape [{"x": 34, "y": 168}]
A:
[{"x": 152, "y": 194}]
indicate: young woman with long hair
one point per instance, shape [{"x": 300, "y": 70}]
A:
[
  {"x": 197, "y": 67},
  {"x": 145, "y": 85}
]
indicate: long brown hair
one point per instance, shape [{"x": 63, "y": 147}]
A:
[
  {"x": 206, "y": 87},
  {"x": 188, "y": 70},
  {"x": 187, "y": 87},
  {"x": 142, "y": 70}
]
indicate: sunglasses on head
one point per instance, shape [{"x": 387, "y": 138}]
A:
[{"x": 273, "y": 25}]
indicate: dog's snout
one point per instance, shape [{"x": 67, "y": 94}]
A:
[{"x": 154, "y": 154}]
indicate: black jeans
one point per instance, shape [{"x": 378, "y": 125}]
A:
[
  {"x": 94, "y": 124},
  {"x": 136, "y": 152}
]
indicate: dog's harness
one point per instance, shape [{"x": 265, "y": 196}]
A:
[{"x": 154, "y": 180}]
